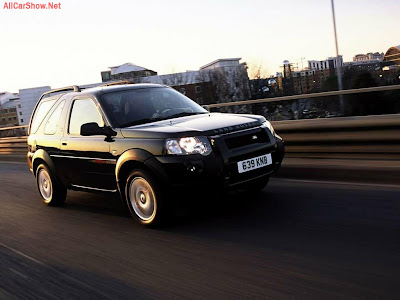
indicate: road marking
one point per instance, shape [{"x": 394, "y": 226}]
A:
[{"x": 22, "y": 254}]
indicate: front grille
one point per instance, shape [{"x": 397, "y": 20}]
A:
[{"x": 238, "y": 141}]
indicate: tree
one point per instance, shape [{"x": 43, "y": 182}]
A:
[
  {"x": 366, "y": 103},
  {"x": 330, "y": 84},
  {"x": 257, "y": 70}
]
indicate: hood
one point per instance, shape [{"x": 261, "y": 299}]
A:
[{"x": 207, "y": 124}]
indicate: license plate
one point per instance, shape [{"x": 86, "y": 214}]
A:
[{"x": 254, "y": 163}]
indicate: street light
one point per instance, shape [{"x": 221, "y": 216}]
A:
[{"x": 339, "y": 67}]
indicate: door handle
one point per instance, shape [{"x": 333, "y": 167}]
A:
[{"x": 64, "y": 143}]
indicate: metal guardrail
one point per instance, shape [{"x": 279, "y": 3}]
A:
[
  {"x": 367, "y": 137},
  {"x": 313, "y": 95},
  {"x": 362, "y": 138},
  {"x": 14, "y": 148},
  {"x": 14, "y": 131},
  {"x": 13, "y": 127}
]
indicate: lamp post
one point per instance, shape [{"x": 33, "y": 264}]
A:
[{"x": 338, "y": 65}]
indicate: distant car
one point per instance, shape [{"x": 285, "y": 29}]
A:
[{"x": 144, "y": 141}]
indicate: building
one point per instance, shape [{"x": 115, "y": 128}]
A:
[
  {"x": 9, "y": 109},
  {"x": 28, "y": 99},
  {"x": 222, "y": 80},
  {"x": 284, "y": 79},
  {"x": 222, "y": 62},
  {"x": 14, "y": 105},
  {"x": 328, "y": 65},
  {"x": 127, "y": 71},
  {"x": 369, "y": 56},
  {"x": 5, "y": 96},
  {"x": 308, "y": 81},
  {"x": 364, "y": 65},
  {"x": 8, "y": 117},
  {"x": 391, "y": 66},
  {"x": 392, "y": 56},
  {"x": 365, "y": 62}
]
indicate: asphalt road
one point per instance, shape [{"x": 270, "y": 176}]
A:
[{"x": 295, "y": 240}]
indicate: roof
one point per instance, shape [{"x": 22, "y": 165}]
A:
[
  {"x": 220, "y": 60},
  {"x": 121, "y": 87},
  {"x": 392, "y": 55},
  {"x": 125, "y": 68}
]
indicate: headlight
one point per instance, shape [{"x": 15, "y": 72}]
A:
[
  {"x": 269, "y": 126},
  {"x": 188, "y": 145}
]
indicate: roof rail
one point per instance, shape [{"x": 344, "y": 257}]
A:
[
  {"x": 74, "y": 88},
  {"x": 117, "y": 83}
]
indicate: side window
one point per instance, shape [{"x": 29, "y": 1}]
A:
[
  {"x": 40, "y": 113},
  {"x": 83, "y": 111},
  {"x": 52, "y": 123}
]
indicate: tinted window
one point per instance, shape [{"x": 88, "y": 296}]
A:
[
  {"x": 52, "y": 122},
  {"x": 143, "y": 105},
  {"x": 83, "y": 111},
  {"x": 41, "y": 113}
]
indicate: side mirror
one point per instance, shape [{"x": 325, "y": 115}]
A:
[
  {"x": 206, "y": 107},
  {"x": 93, "y": 128}
]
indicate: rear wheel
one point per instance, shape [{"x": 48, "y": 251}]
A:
[
  {"x": 52, "y": 193},
  {"x": 144, "y": 198}
]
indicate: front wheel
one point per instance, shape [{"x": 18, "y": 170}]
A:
[
  {"x": 144, "y": 198},
  {"x": 52, "y": 193}
]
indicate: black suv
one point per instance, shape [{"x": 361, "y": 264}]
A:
[{"x": 142, "y": 141}]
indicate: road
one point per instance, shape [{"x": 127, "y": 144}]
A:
[{"x": 295, "y": 240}]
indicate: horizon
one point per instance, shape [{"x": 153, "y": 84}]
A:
[{"x": 72, "y": 45}]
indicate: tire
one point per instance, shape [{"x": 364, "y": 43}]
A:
[
  {"x": 257, "y": 185},
  {"x": 51, "y": 192},
  {"x": 144, "y": 198}
]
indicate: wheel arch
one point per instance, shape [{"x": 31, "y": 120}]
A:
[
  {"x": 41, "y": 156},
  {"x": 137, "y": 158}
]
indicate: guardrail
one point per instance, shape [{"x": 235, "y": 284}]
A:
[
  {"x": 13, "y": 131},
  {"x": 367, "y": 137},
  {"x": 309, "y": 96}
]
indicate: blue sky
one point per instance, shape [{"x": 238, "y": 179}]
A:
[{"x": 72, "y": 45}]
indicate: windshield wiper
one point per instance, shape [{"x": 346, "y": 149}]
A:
[
  {"x": 184, "y": 114},
  {"x": 139, "y": 122},
  {"x": 149, "y": 120}
]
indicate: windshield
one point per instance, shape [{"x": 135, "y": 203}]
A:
[{"x": 144, "y": 105}]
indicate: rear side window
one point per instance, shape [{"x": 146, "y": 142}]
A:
[
  {"x": 52, "y": 122},
  {"x": 41, "y": 113},
  {"x": 83, "y": 111}
]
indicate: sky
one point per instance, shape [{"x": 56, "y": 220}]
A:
[{"x": 74, "y": 44}]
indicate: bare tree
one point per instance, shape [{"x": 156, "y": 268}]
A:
[{"x": 257, "y": 70}]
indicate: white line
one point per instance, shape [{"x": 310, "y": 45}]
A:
[
  {"x": 22, "y": 254},
  {"x": 92, "y": 188},
  {"x": 79, "y": 157},
  {"x": 339, "y": 182}
]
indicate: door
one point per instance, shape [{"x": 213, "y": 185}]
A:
[{"x": 88, "y": 158}]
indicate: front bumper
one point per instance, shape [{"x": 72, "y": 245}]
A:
[{"x": 219, "y": 169}]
